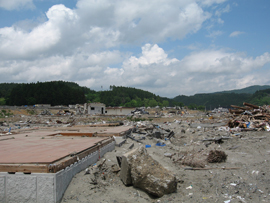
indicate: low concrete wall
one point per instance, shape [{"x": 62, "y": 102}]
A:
[{"x": 44, "y": 187}]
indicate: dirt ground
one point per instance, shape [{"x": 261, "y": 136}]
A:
[{"x": 243, "y": 177}]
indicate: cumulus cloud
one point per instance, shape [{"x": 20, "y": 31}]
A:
[
  {"x": 153, "y": 70},
  {"x": 16, "y": 42},
  {"x": 137, "y": 21},
  {"x": 85, "y": 45},
  {"x": 236, "y": 33},
  {"x": 99, "y": 25},
  {"x": 204, "y": 71},
  {"x": 16, "y": 4}
]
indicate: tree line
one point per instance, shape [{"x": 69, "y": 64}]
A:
[
  {"x": 54, "y": 93},
  {"x": 64, "y": 93}
]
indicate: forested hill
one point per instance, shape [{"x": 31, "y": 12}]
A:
[
  {"x": 248, "y": 90},
  {"x": 5, "y": 89},
  {"x": 226, "y": 99},
  {"x": 54, "y": 93},
  {"x": 213, "y": 100},
  {"x": 64, "y": 93},
  {"x": 261, "y": 97},
  {"x": 131, "y": 97}
]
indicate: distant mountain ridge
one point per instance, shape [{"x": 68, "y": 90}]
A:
[{"x": 247, "y": 90}]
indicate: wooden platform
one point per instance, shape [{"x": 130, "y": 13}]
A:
[{"x": 44, "y": 152}]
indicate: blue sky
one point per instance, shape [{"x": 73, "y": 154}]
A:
[{"x": 168, "y": 47}]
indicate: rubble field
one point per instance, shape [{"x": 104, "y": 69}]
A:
[{"x": 210, "y": 161}]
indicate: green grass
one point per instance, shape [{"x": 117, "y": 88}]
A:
[
  {"x": 2, "y": 101},
  {"x": 4, "y": 113},
  {"x": 31, "y": 112},
  {"x": 139, "y": 119}
]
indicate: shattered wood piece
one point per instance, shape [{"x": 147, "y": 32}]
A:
[
  {"x": 234, "y": 147},
  {"x": 258, "y": 137},
  {"x": 131, "y": 146},
  {"x": 249, "y": 129},
  {"x": 207, "y": 144},
  {"x": 251, "y": 105},
  {"x": 179, "y": 159},
  {"x": 94, "y": 181},
  {"x": 100, "y": 165},
  {"x": 170, "y": 135},
  {"x": 134, "y": 139},
  {"x": 240, "y": 107},
  {"x": 119, "y": 160},
  {"x": 218, "y": 140},
  {"x": 236, "y": 111},
  {"x": 115, "y": 168},
  {"x": 87, "y": 171}
]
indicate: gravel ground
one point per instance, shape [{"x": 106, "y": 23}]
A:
[{"x": 243, "y": 177}]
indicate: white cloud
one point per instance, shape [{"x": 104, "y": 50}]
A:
[
  {"x": 204, "y": 71},
  {"x": 99, "y": 25},
  {"x": 211, "y": 2},
  {"x": 151, "y": 54},
  {"x": 16, "y": 4},
  {"x": 16, "y": 42},
  {"x": 219, "y": 12},
  {"x": 215, "y": 34},
  {"x": 154, "y": 70},
  {"x": 139, "y": 20},
  {"x": 82, "y": 45},
  {"x": 236, "y": 33}
]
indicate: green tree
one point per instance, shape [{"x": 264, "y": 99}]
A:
[
  {"x": 165, "y": 103},
  {"x": 153, "y": 103}
]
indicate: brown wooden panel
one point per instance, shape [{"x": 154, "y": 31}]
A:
[{"x": 25, "y": 168}]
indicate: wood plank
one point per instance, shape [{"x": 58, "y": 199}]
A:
[
  {"x": 251, "y": 105},
  {"x": 240, "y": 107},
  {"x": 24, "y": 168},
  {"x": 76, "y": 134}
]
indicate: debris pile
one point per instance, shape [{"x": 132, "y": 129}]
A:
[
  {"x": 250, "y": 117},
  {"x": 143, "y": 130},
  {"x": 45, "y": 112},
  {"x": 139, "y": 111}
]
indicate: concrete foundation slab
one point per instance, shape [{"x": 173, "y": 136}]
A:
[{"x": 44, "y": 187}]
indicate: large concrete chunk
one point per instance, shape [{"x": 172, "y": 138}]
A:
[
  {"x": 125, "y": 173},
  {"x": 146, "y": 173}
]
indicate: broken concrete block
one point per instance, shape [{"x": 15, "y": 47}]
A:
[
  {"x": 142, "y": 171},
  {"x": 119, "y": 141},
  {"x": 125, "y": 173}
]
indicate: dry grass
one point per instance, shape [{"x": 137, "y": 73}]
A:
[{"x": 216, "y": 156}]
